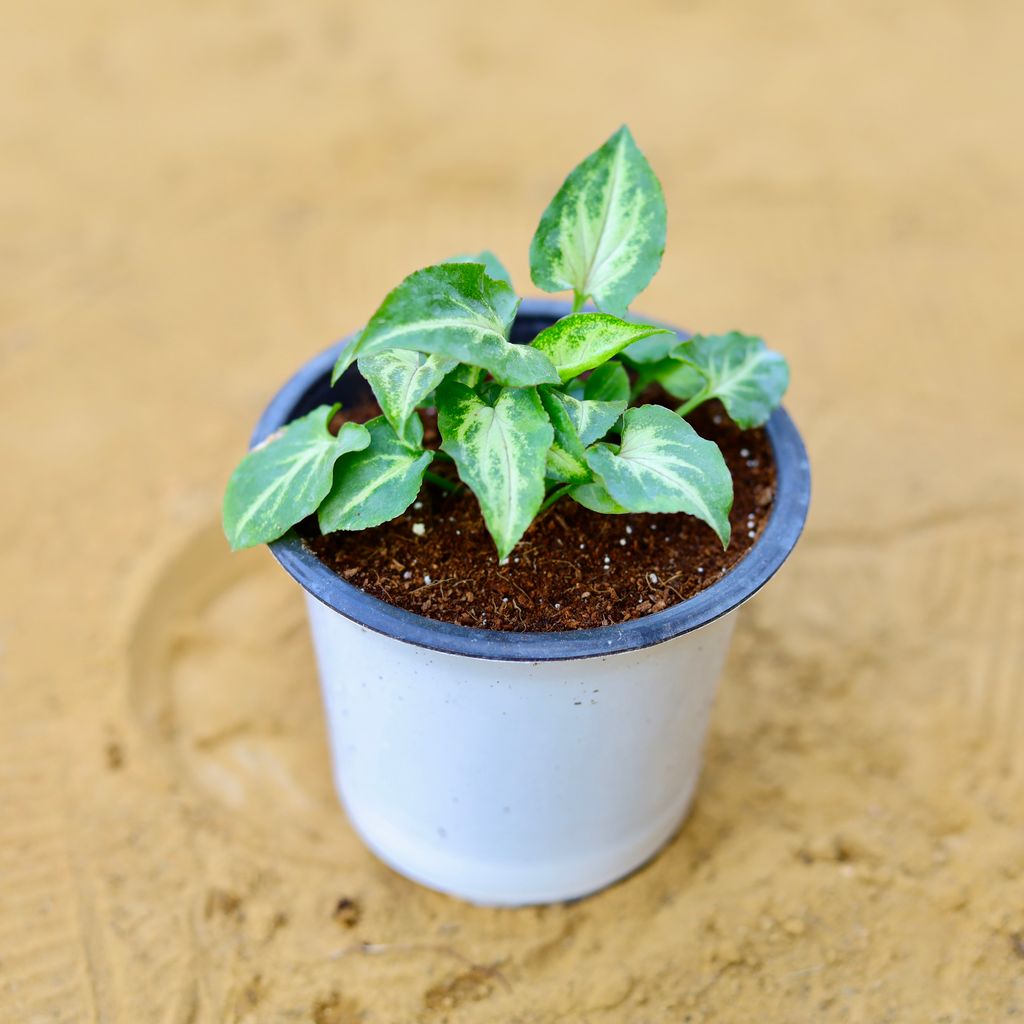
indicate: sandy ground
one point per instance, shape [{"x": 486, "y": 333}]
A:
[{"x": 195, "y": 197}]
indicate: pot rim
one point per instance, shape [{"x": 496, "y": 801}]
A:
[{"x": 762, "y": 561}]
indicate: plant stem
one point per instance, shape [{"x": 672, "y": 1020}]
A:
[
  {"x": 443, "y": 482},
  {"x": 578, "y": 301},
  {"x": 690, "y": 404},
  {"x": 558, "y": 492}
]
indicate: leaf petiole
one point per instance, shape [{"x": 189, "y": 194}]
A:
[
  {"x": 557, "y": 494},
  {"x": 451, "y": 486},
  {"x": 698, "y": 399}
]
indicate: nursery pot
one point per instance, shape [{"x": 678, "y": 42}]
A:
[{"x": 513, "y": 768}]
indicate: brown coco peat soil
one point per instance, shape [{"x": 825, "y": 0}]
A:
[{"x": 574, "y": 568}]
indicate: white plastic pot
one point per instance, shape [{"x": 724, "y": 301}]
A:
[{"x": 513, "y": 768}]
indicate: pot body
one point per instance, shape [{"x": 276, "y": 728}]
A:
[{"x": 515, "y": 782}]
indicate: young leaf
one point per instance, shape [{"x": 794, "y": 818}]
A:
[
  {"x": 604, "y": 233},
  {"x": 591, "y": 420},
  {"x": 500, "y": 453},
  {"x": 663, "y": 465},
  {"x": 740, "y": 370},
  {"x": 376, "y": 484},
  {"x": 566, "y": 460},
  {"x": 282, "y": 481},
  {"x": 401, "y": 380},
  {"x": 494, "y": 267},
  {"x": 581, "y": 341},
  {"x": 453, "y": 310}
]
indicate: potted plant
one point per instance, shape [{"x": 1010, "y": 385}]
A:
[{"x": 515, "y": 547}]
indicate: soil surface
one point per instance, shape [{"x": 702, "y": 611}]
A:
[
  {"x": 573, "y": 569},
  {"x": 196, "y": 197}
]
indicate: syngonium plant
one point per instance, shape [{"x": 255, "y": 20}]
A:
[{"x": 524, "y": 424}]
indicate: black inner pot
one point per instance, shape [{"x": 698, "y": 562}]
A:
[{"x": 311, "y": 387}]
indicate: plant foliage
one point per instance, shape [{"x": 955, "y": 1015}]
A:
[{"x": 524, "y": 425}]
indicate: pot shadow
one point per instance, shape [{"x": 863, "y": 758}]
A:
[{"x": 223, "y": 681}]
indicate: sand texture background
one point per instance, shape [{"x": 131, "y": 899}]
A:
[{"x": 195, "y": 197}]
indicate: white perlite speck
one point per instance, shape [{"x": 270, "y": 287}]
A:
[
  {"x": 426, "y": 579},
  {"x": 419, "y": 529},
  {"x": 653, "y": 577}
]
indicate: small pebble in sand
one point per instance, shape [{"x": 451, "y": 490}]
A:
[{"x": 419, "y": 529}]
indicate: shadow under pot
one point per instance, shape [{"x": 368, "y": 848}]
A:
[{"x": 516, "y": 768}]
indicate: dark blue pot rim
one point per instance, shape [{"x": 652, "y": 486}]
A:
[{"x": 789, "y": 512}]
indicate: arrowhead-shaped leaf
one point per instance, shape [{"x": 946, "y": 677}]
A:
[
  {"x": 283, "y": 480},
  {"x": 566, "y": 460},
  {"x": 663, "y": 465},
  {"x": 591, "y": 420},
  {"x": 494, "y": 267},
  {"x": 453, "y": 310},
  {"x": 581, "y": 341},
  {"x": 376, "y": 484},
  {"x": 604, "y": 233},
  {"x": 500, "y": 452},
  {"x": 401, "y": 380},
  {"x": 740, "y": 370}
]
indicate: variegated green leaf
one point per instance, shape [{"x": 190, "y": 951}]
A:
[
  {"x": 500, "y": 453},
  {"x": 591, "y": 420},
  {"x": 604, "y": 233},
  {"x": 401, "y": 380},
  {"x": 663, "y": 465},
  {"x": 740, "y": 370},
  {"x": 581, "y": 341},
  {"x": 376, "y": 484},
  {"x": 494, "y": 267},
  {"x": 595, "y": 496},
  {"x": 453, "y": 310},
  {"x": 282, "y": 481},
  {"x": 566, "y": 461}
]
